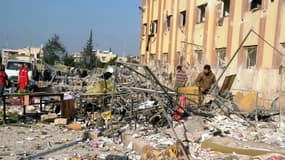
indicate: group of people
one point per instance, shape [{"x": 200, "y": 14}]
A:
[
  {"x": 23, "y": 78},
  {"x": 204, "y": 80}
]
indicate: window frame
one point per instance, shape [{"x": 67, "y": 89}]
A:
[
  {"x": 164, "y": 58},
  {"x": 254, "y": 8},
  {"x": 154, "y": 25},
  {"x": 183, "y": 18},
  {"x": 168, "y": 22},
  {"x": 248, "y": 63},
  {"x": 199, "y": 54},
  {"x": 219, "y": 61},
  {"x": 144, "y": 29},
  {"x": 202, "y": 9},
  {"x": 223, "y": 11}
]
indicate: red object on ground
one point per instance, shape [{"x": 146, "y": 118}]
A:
[{"x": 178, "y": 114}]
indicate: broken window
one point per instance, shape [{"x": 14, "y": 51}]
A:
[
  {"x": 165, "y": 58},
  {"x": 221, "y": 52},
  {"x": 199, "y": 55},
  {"x": 182, "y": 19},
  {"x": 255, "y": 4},
  {"x": 154, "y": 27},
  {"x": 225, "y": 8},
  {"x": 151, "y": 57},
  {"x": 168, "y": 22},
  {"x": 251, "y": 53},
  {"x": 202, "y": 13},
  {"x": 144, "y": 29}
]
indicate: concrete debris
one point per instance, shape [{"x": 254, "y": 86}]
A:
[
  {"x": 60, "y": 121},
  {"x": 49, "y": 117},
  {"x": 130, "y": 115}
]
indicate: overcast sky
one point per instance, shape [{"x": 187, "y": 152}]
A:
[{"x": 115, "y": 23}]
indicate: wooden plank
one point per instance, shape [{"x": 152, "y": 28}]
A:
[{"x": 227, "y": 84}]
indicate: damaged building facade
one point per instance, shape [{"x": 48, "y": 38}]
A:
[{"x": 196, "y": 32}]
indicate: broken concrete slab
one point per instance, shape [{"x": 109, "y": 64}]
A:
[
  {"x": 48, "y": 117},
  {"x": 60, "y": 121},
  {"x": 230, "y": 145},
  {"x": 75, "y": 126}
]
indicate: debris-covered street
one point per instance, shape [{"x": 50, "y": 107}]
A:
[
  {"x": 133, "y": 118},
  {"x": 154, "y": 80}
]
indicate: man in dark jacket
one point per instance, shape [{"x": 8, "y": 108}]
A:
[{"x": 205, "y": 79}]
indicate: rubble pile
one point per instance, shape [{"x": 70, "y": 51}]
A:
[{"x": 128, "y": 114}]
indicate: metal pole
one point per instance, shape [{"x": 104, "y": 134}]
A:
[
  {"x": 256, "y": 107},
  {"x": 231, "y": 60}
]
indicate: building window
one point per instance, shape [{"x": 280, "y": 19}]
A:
[
  {"x": 283, "y": 45},
  {"x": 182, "y": 19},
  {"x": 168, "y": 22},
  {"x": 151, "y": 57},
  {"x": 202, "y": 13},
  {"x": 255, "y": 5},
  {"x": 221, "y": 53},
  {"x": 225, "y": 8},
  {"x": 165, "y": 58},
  {"x": 154, "y": 27},
  {"x": 199, "y": 55},
  {"x": 251, "y": 53},
  {"x": 144, "y": 29}
]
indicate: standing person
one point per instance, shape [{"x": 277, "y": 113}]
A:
[
  {"x": 181, "y": 78},
  {"x": 23, "y": 78},
  {"x": 3, "y": 79},
  {"x": 205, "y": 79},
  {"x": 47, "y": 74}
]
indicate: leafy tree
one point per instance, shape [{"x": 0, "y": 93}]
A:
[
  {"x": 53, "y": 50},
  {"x": 89, "y": 59},
  {"x": 69, "y": 61}
]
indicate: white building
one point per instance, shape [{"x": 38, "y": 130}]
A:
[{"x": 28, "y": 54}]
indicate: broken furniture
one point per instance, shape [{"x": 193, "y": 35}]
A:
[{"x": 27, "y": 100}]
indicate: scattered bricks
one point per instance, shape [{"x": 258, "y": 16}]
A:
[
  {"x": 95, "y": 134},
  {"x": 60, "y": 121},
  {"x": 49, "y": 117},
  {"x": 75, "y": 126}
]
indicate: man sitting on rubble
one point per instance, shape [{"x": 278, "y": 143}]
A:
[
  {"x": 180, "y": 78},
  {"x": 205, "y": 79}
]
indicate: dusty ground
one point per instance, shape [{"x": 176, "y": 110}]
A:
[
  {"x": 19, "y": 142},
  {"x": 25, "y": 140}
]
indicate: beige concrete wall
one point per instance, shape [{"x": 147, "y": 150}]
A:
[
  {"x": 282, "y": 38},
  {"x": 269, "y": 22}
]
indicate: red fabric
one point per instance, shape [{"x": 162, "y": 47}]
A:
[
  {"x": 178, "y": 114},
  {"x": 23, "y": 78},
  {"x": 3, "y": 78}
]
